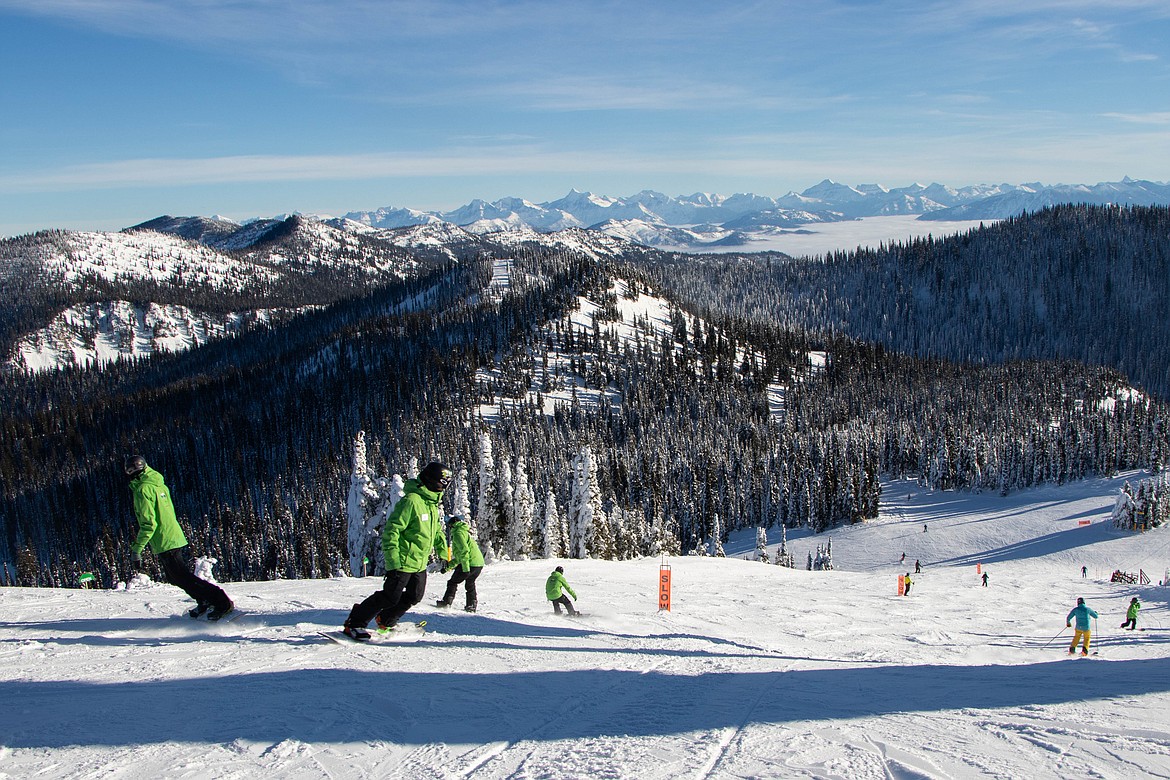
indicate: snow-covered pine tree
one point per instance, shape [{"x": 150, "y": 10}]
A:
[
  {"x": 589, "y": 531},
  {"x": 824, "y": 558},
  {"x": 524, "y": 505},
  {"x": 505, "y": 509},
  {"x": 717, "y": 536},
  {"x": 550, "y": 538},
  {"x": 784, "y": 556},
  {"x": 623, "y": 542},
  {"x": 361, "y": 507},
  {"x": 461, "y": 501},
  {"x": 640, "y": 533},
  {"x": 762, "y": 544},
  {"x": 485, "y": 516}
]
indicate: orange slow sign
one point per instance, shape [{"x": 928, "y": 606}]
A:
[{"x": 664, "y": 587}]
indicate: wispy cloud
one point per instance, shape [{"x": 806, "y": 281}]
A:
[
  {"x": 166, "y": 172},
  {"x": 1151, "y": 118}
]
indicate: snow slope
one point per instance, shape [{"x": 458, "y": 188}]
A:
[{"x": 757, "y": 672}]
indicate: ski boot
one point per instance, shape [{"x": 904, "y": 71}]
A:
[
  {"x": 198, "y": 610},
  {"x": 442, "y": 604},
  {"x": 470, "y": 607}
]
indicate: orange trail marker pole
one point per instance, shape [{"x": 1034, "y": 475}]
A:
[
  {"x": 901, "y": 584},
  {"x": 664, "y": 587}
]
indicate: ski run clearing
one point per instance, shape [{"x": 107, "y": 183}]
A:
[{"x": 757, "y": 671}]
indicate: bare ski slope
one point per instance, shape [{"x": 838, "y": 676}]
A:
[{"x": 757, "y": 672}]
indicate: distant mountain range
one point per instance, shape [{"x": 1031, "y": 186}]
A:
[{"x": 707, "y": 220}]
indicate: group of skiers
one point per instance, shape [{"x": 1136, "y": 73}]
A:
[{"x": 415, "y": 530}]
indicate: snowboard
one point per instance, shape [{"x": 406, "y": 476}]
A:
[
  {"x": 230, "y": 617},
  {"x": 403, "y": 632}
]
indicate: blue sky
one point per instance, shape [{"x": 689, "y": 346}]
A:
[{"x": 117, "y": 111}]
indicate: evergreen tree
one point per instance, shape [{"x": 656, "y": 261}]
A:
[
  {"x": 485, "y": 513},
  {"x": 524, "y": 507}
]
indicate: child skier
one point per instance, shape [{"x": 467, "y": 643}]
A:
[
  {"x": 1131, "y": 614},
  {"x": 468, "y": 563},
  {"x": 553, "y": 588},
  {"x": 1082, "y": 613}
]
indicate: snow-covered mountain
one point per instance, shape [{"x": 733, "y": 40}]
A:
[
  {"x": 1034, "y": 197},
  {"x": 651, "y": 217},
  {"x": 176, "y": 282}
]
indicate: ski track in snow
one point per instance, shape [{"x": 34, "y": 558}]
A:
[{"x": 758, "y": 672}]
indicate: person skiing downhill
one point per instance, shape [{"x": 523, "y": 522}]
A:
[
  {"x": 917, "y": 567},
  {"x": 908, "y": 582},
  {"x": 1082, "y": 612},
  {"x": 467, "y": 561},
  {"x": 413, "y": 529},
  {"x": 159, "y": 528},
  {"x": 985, "y": 579},
  {"x": 1131, "y": 614},
  {"x": 553, "y": 589}
]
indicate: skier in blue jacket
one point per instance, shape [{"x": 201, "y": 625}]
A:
[{"x": 1081, "y": 634}]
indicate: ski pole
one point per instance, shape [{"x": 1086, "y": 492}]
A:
[{"x": 1053, "y": 639}]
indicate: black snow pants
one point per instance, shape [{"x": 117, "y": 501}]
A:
[
  {"x": 400, "y": 591},
  {"x": 564, "y": 599},
  {"x": 176, "y": 566},
  {"x": 466, "y": 577}
]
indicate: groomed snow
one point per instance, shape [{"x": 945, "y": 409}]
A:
[{"x": 757, "y": 672}]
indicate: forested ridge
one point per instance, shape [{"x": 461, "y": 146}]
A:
[
  {"x": 1085, "y": 283},
  {"x": 255, "y": 434}
]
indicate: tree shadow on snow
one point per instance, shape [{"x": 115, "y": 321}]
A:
[{"x": 343, "y": 705}]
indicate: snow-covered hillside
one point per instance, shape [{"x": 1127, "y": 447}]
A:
[
  {"x": 98, "y": 333},
  {"x": 757, "y": 671}
]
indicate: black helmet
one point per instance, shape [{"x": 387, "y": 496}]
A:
[
  {"x": 1080, "y": 601},
  {"x": 561, "y": 569},
  {"x": 435, "y": 476},
  {"x": 134, "y": 465}
]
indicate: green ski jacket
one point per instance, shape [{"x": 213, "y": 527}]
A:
[
  {"x": 414, "y": 528},
  {"x": 464, "y": 551},
  {"x": 157, "y": 525},
  {"x": 553, "y": 585}
]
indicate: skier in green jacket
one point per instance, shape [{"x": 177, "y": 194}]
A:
[
  {"x": 467, "y": 561},
  {"x": 158, "y": 527},
  {"x": 413, "y": 529},
  {"x": 553, "y": 589},
  {"x": 1131, "y": 614},
  {"x": 1081, "y": 633}
]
